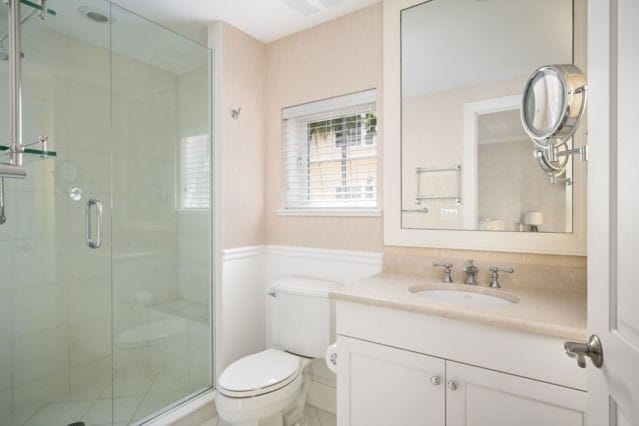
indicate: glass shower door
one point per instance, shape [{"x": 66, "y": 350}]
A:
[
  {"x": 55, "y": 291},
  {"x": 161, "y": 217}
]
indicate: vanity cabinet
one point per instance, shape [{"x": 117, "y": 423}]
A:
[
  {"x": 382, "y": 386},
  {"x": 397, "y": 367},
  {"x": 480, "y": 397},
  {"x": 388, "y": 386}
]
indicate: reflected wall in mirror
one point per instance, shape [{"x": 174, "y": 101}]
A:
[{"x": 467, "y": 162}]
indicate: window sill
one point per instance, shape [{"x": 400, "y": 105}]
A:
[{"x": 330, "y": 212}]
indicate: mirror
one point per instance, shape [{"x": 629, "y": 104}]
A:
[
  {"x": 467, "y": 160},
  {"x": 553, "y": 105},
  {"x": 543, "y": 102}
]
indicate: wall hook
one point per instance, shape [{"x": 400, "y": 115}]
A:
[{"x": 235, "y": 113}]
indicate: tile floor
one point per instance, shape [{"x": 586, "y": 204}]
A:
[{"x": 316, "y": 417}]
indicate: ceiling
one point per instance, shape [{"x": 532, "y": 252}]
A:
[{"x": 266, "y": 20}]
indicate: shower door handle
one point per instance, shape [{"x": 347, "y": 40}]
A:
[{"x": 97, "y": 242}]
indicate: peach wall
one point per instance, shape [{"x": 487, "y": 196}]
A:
[
  {"x": 291, "y": 71},
  {"x": 243, "y": 147},
  {"x": 336, "y": 58}
]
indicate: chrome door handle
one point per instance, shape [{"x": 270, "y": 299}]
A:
[
  {"x": 436, "y": 380},
  {"x": 452, "y": 385},
  {"x": 592, "y": 349},
  {"x": 97, "y": 242}
]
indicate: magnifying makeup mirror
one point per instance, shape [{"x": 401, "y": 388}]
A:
[{"x": 553, "y": 105}]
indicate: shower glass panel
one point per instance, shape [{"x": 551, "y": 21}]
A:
[
  {"x": 161, "y": 216},
  {"x": 56, "y": 292},
  {"x": 116, "y": 334}
]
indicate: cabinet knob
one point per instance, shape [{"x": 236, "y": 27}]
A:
[
  {"x": 452, "y": 385},
  {"x": 436, "y": 380}
]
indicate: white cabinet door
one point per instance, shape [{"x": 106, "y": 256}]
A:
[
  {"x": 379, "y": 385},
  {"x": 479, "y": 397}
]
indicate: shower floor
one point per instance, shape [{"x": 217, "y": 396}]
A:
[{"x": 137, "y": 396}]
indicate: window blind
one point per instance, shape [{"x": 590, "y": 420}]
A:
[
  {"x": 195, "y": 180},
  {"x": 330, "y": 154}
]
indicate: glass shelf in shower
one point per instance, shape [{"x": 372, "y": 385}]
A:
[{"x": 30, "y": 155}]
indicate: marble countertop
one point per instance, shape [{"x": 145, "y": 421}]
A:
[{"x": 549, "y": 312}]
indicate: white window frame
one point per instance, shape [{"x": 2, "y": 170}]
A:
[
  {"x": 181, "y": 195},
  {"x": 319, "y": 107}
]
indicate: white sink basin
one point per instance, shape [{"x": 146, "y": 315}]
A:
[{"x": 466, "y": 297}]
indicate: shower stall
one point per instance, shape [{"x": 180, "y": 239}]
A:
[{"x": 106, "y": 243}]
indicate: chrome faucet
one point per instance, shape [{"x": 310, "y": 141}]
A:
[
  {"x": 494, "y": 275},
  {"x": 447, "y": 269},
  {"x": 471, "y": 270}
]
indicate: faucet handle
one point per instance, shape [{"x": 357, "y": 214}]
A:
[
  {"x": 448, "y": 267},
  {"x": 470, "y": 267},
  {"x": 494, "y": 275},
  {"x": 471, "y": 270}
]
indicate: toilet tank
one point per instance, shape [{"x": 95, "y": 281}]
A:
[{"x": 302, "y": 316}]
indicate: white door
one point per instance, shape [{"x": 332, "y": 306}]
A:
[
  {"x": 383, "y": 386},
  {"x": 479, "y": 397},
  {"x": 613, "y": 210}
]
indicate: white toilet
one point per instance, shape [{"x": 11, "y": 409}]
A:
[{"x": 269, "y": 388}]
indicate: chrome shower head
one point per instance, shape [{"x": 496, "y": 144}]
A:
[{"x": 95, "y": 14}]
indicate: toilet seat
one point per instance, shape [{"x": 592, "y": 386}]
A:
[
  {"x": 151, "y": 333},
  {"x": 259, "y": 374}
]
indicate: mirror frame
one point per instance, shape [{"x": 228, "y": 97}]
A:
[{"x": 523, "y": 242}]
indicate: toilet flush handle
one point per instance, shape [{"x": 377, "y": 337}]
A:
[{"x": 272, "y": 293}]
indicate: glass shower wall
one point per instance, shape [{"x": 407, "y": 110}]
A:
[{"x": 115, "y": 334}]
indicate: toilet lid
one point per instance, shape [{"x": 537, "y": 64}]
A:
[{"x": 260, "y": 371}]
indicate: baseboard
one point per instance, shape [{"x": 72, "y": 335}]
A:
[{"x": 323, "y": 395}]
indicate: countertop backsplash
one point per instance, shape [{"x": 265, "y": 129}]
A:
[{"x": 564, "y": 273}]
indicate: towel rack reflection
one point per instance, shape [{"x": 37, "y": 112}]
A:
[
  {"x": 423, "y": 210},
  {"x": 456, "y": 168}
]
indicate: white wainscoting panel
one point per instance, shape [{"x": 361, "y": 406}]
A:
[
  {"x": 338, "y": 265},
  {"x": 243, "y": 306}
]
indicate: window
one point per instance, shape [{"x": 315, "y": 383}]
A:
[
  {"x": 195, "y": 180},
  {"x": 330, "y": 154}
]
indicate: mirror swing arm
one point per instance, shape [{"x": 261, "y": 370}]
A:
[{"x": 553, "y": 106}]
